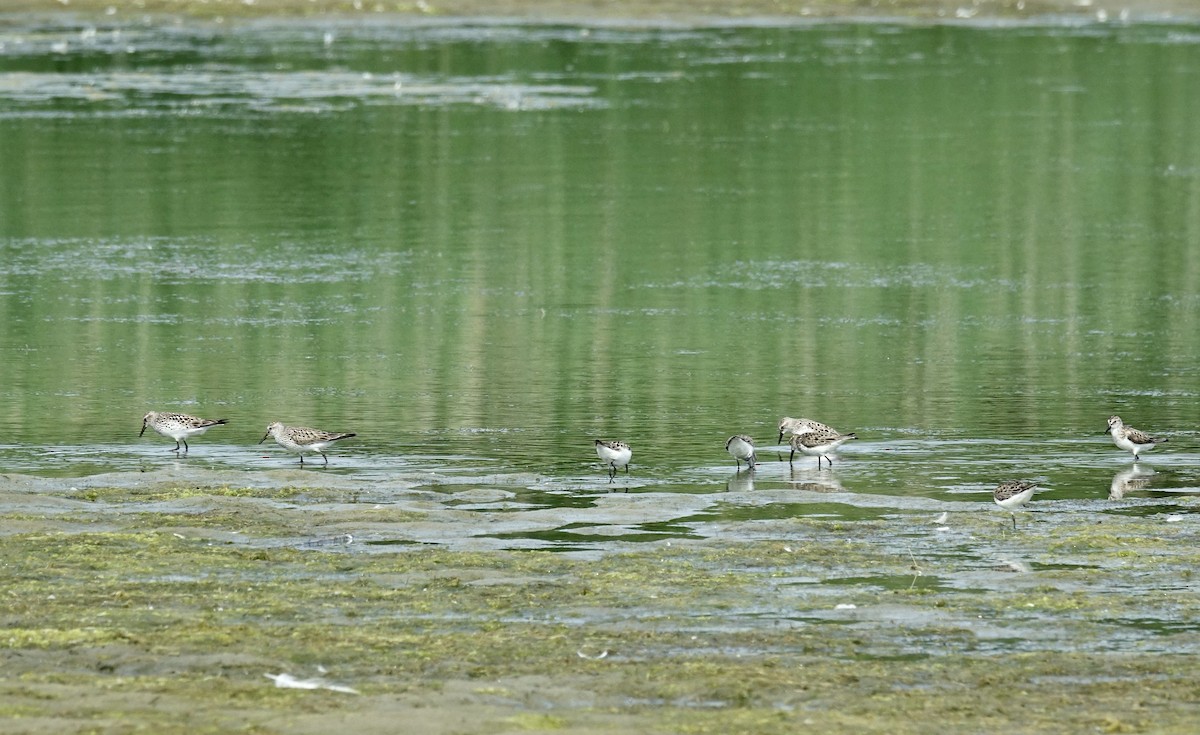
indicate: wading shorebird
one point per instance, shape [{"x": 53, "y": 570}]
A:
[
  {"x": 1130, "y": 439},
  {"x": 1013, "y": 494},
  {"x": 178, "y": 426},
  {"x": 819, "y": 444},
  {"x": 614, "y": 454},
  {"x": 741, "y": 448},
  {"x": 789, "y": 426},
  {"x": 302, "y": 440}
]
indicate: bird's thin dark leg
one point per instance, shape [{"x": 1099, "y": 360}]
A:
[
  {"x": 185, "y": 446},
  {"x": 326, "y": 458},
  {"x": 791, "y": 456},
  {"x": 301, "y": 460}
]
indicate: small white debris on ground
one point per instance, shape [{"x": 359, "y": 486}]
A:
[{"x": 287, "y": 681}]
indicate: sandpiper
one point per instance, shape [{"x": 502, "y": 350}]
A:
[
  {"x": 789, "y": 425},
  {"x": 818, "y": 444},
  {"x": 614, "y": 454},
  {"x": 1130, "y": 439},
  {"x": 178, "y": 426},
  {"x": 302, "y": 440},
  {"x": 741, "y": 447},
  {"x": 1012, "y": 494}
]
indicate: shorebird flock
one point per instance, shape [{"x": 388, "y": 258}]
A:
[
  {"x": 819, "y": 440},
  {"x": 808, "y": 437},
  {"x": 296, "y": 439}
]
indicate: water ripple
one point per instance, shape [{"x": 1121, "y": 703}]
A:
[{"x": 221, "y": 88}]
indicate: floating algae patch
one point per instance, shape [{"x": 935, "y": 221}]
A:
[
  {"x": 158, "y": 493},
  {"x": 58, "y": 637},
  {"x": 299, "y": 517}
]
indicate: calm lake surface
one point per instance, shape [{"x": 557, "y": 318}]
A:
[{"x": 481, "y": 246}]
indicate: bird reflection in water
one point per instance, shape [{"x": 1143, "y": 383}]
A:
[{"x": 1129, "y": 481}]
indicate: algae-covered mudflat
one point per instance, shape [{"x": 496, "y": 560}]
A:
[{"x": 165, "y": 608}]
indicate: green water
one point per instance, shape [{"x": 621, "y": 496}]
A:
[{"x": 482, "y": 246}]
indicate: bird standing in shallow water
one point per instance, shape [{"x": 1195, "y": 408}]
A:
[
  {"x": 302, "y": 440},
  {"x": 178, "y": 426},
  {"x": 1130, "y": 439},
  {"x": 818, "y": 444},
  {"x": 789, "y": 425},
  {"x": 614, "y": 454},
  {"x": 741, "y": 447},
  {"x": 1013, "y": 494}
]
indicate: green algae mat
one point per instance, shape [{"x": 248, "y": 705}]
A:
[{"x": 120, "y": 618}]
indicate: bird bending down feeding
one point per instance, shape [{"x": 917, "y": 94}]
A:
[
  {"x": 789, "y": 426},
  {"x": 178, "y": 426},
  {"x": 818, "y": 444},
  {"x": 741, "y": 447},
  {"x": 614, "y": 454}
]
